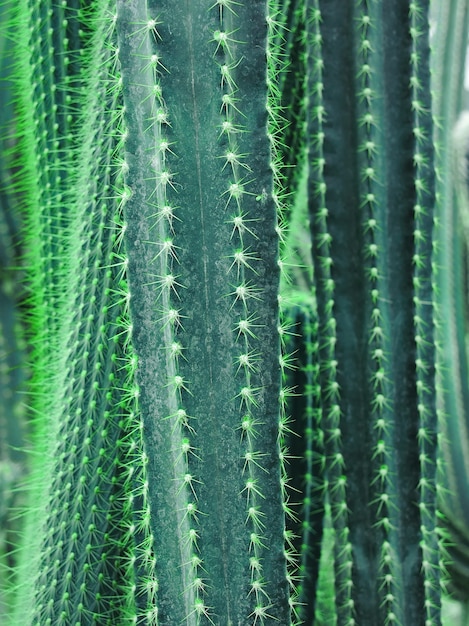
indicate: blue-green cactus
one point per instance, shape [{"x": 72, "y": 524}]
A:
[
  {"x": 201, "y": 410},
  {"x": 371, "y": 195},
  {"x": 201, "y": 242}
]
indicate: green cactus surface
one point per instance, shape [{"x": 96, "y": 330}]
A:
[
  {"x": 218, "y": 371},
  {"x": 452, "y": 139},
  {"x": 371, "y": 195},
  {"x": 201, "y": 242}
]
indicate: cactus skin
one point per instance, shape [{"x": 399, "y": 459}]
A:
[
  {"x": 166, "y": 410},
  {"x": 12, "y": 423},
  {"x": 454, "y": 368},
  {"x": 13, "y": 373},
  {"x": 79, "y": 311},
  {"x": 12, "y": 386},
  {"x": 304, "y": 443},
  {"x": 72, "y": 562},
  {"x": 453, "y": 391},
  {"x": 288, "y": 46},
  {"x": 371, "y": 181},
  {"x": 203, "y": 284}
]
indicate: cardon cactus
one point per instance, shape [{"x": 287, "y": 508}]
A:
[{"x": 193, "y": 415}]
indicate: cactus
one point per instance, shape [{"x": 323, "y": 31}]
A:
[
  {"x": 207, "y": 367},
  {"x": 81, "y": 374},
  {"x": 304, "y": 444},
  {"x": 207, "y": 419},
  {"x": 371, "y": 197},
  {"x": 201, "y": 243},
  {"x": 452, "y": 138},
  {"x": 12, "y": 349}
]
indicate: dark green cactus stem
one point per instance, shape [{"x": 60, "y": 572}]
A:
[
  {"x": 452, "y": 139},
  {"x": 78, "y": 527},
  {"x": 371, "y": 198},
  {"x": 322, "y": 266},
  {"x": 203, "y": 275},
  {"x": 304, "y": 443}
]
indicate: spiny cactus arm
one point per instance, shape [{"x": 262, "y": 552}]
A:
[
  {"x": 304, "y": 450},
  {"x": 410, "y": 415},
  {"x": 203, "y": 273},
  {"x": 324, "y": 286},
  {"x": 29, "y": 182},
  {"x": 369, "y": 191},
  {"x": 449, "y": 45},
  {"x": 35, "y": 185},
  {"x": 150, "y": 282},
  {"x": 424, "y": 282},
  {"x": 72, "y": 555},
  {"x": 45, "y": 78},
  {"x": 289, "y": 79}
]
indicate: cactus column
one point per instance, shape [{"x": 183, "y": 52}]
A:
[
  {"x": 452, "y": 137},
  {"x": 203, "y": 275},
  {"x": 371, "y": 194}
]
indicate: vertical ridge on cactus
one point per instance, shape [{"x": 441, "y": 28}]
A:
[
  {"x": 451, "y": 140},
  {"x": 325, "y": 292},
  {"x": 304, "y": 452},
  {"x": 424, "y": 285}
]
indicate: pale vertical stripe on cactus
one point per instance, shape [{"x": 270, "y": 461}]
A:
[
  {"x": 424, "y": 301},
  {"x": 448, "y": 63}
]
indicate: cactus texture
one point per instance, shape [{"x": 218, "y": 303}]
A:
[
  {"x": 12, "y": 349},
  {"x": 306, "y": 451},
  {"x": 226, "y": 212},
  {"x": 203, "y": 274},
  {"x": 452, "y": 137},
  {"x": 371, "y": 198},
  {"x": 81, "y": 385}
]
